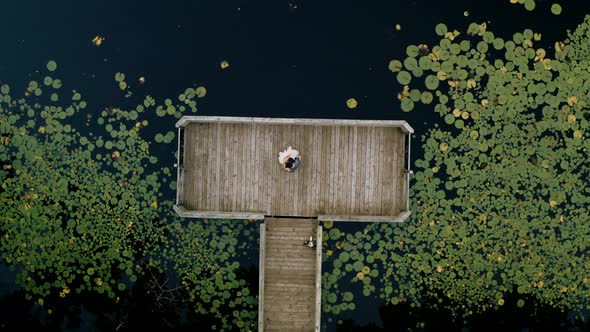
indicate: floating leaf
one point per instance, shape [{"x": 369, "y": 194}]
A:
[
  {"x": 412, "y": 51},
  {"x": 200, "y": 91},
  {"x": 56, "y": 84},
  {"x": 407, "y": 105},
  {"x": 351, "y": 103},
  {"x": 426, "y": 97},
  {"x": 119, "y": 77},
  {"x": 555, "y": 9},
  {"x": 440, "y": 29},
  {"x": 395, "y": 66},
  {"x": 51, "y": 65},
  {"x": 431, "y": 82},
  {"x": 404, "y": 78}
]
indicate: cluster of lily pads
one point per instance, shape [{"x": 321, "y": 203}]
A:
[
  {"x": 530, "y": 5},
  {"x": 500, "y": 197},
  {"x": 205, "y": 257},
  {"x": 85, "y": 209}
]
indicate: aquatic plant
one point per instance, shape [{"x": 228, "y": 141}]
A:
[
  {"x": 205, "y": 257},
  {"x": 86, "y": 209},
  {"x": 68, "y": 223},
  {"x": 500, "y": 198}
]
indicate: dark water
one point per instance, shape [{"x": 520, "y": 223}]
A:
[{"x": 287, "y": 58}]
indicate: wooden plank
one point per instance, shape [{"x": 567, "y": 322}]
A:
[
  {"x": 255, "y": 169},
  {"x": 333, "y": 164},
  {"x": 188, "y": 170},
  {"x": 315, "y": 165},
  {"x": 181, "y": 211},
  {"x": 185, "y": 120},
  {"x": 343, "y": 172},
  {"x": 401, "y": 174},
  {"x": 223, "y": 203},
  {"x": 308, "y": 189},
  {"x": 218, "y": 179},
  {"x": 198, "y": 162},
  {"x": 396, "y": 175},
  {"x": 380, "y": 169},
  {"x": 261, "y": 278},
  {"x": 398, "y": 218},
  {"x": 179, "y": 166},
  {"x": 245, "y": 166},
  {"x": 318, "y": 280},
  {"x": 205, "y": 160},
  {"x": 389, "y": 171},
  {"x": 193, "y": 169},
  {"x": 368, "y": 171},
  {"x": 277, "y": 186},
  {"x": 267, "y": 158},
  {"x": 185, "y": 173},
  {"x": 323, "y": 174},
  {"x": 234, "y": 165},
  {"x": 373, "y": 157},
  {"x": 352, "y": 172},
  {"x": 360, "y": 169},
  {"x": 289, "y": 198},
  {"x": 301, "y": 174},
  {"x": 406, "y": 173}
]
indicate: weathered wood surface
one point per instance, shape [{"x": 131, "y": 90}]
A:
[
  {"x": 347, "y": 170},
  {"x": 289, "y": 292},
  {"x": 299, "y": 121}
]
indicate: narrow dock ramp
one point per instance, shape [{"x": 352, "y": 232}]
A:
[{"x": 290, "y": 284}]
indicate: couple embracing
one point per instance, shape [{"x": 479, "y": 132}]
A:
[{"x": 290, "y": 159}]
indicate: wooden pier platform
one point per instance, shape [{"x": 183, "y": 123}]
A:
[{"x": 352, "y": 170}]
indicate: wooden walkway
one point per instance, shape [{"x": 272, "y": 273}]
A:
[
  {"x": 351, "y": 169},
  {"x": 290, "y": 276}
]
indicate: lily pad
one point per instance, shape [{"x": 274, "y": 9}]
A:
[
  {"x": 404, "y": 78},
  {"x": 51, "y": 65}
]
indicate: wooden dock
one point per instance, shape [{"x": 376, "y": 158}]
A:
[
  {"x": 351, "y": 169},
  {"x": 290, "y": 275}
]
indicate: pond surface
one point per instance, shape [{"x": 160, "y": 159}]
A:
[{"x": 255, "y": 58}]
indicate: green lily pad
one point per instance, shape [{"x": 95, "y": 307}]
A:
[
  {"x": 404, "y": 78},
  {"x": 51, "y": 65},
  {"x": 407, "y": 105}
]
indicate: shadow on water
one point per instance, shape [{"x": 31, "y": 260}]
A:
[
  {"x": 154, "y": 303},
  {"x": 509, "y": 317}
]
